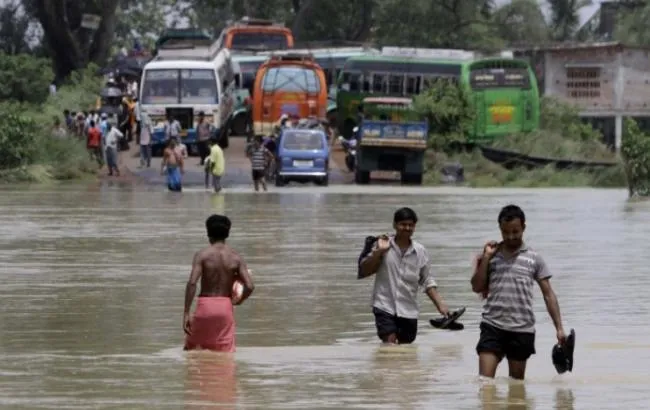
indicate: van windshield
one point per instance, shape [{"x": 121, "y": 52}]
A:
[
  {"x": 302, "y": 141},
  {"x": 291, "y": 79}
]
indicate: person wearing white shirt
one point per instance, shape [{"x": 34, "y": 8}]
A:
[
  {"x": 172, "y": 128},
  {"x": 112, "y": 140}
]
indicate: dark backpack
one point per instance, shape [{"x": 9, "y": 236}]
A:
[{"x": 367, "y": 248}]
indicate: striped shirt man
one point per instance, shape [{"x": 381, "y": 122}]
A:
[
  {"x": 258, "y": 158},
  {"x": 509, "y": 304}
]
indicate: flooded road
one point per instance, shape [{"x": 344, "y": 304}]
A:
[{"x": 92, "y": 283}]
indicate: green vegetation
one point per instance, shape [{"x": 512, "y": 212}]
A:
[
  {"x": 30, "y": 150},
  {"x": 636, "y": 152},
  {"x": 562, "y": 136}
]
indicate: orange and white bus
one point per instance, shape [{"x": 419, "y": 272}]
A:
[
  {"x": 292, "y": 84},
  {"x": 256, "y": 34}
]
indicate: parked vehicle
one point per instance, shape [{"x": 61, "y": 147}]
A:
[
  {"x": 303, "y": 156},
  {"x": 392, "y": 137}
]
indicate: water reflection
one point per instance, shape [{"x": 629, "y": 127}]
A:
[
  {"x": 492, "y": 399},
  {"x": 564, "y": 399},
  {"x": 211, "y": 380}
]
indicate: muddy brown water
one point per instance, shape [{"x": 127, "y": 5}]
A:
[{"x": 92, "y": 298}]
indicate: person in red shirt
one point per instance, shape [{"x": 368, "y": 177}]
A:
[{"x": 94, "y": 143}]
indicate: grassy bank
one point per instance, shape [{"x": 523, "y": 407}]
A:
[
  {"x": 29, "y": 150},
  {"x": 480, "y": 172},
  {"x": 562, "y": 135}
]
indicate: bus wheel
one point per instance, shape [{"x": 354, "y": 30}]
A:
[{"x": 239, "y": 125}]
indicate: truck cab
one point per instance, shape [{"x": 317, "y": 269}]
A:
[{"x": 391, "y": 137}]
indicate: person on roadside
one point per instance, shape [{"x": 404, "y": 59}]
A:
[
  {"x": 259, "y": 157},
  {"x": 146, "y": 131},
  {"x": 94, "y": 139},
  {"x": 401, "y": 267},
  {"x": 203, "y": 136},
  {"x": 505, "y": 275},
  {"x": 111, "y": 149},
  {"x": 215, "y": 166}
]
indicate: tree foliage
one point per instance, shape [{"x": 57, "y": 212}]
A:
[{"x": 24, "y": 78}]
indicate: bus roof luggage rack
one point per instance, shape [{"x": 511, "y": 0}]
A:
[
  {"x": 292, "y": 56},
  {"x": 428, "y": 53},
  {"x": 190, "y": 50},
  {"x": 248, "y": 21}
]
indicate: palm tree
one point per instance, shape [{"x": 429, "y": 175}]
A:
[{"x": 565, "y": 17}]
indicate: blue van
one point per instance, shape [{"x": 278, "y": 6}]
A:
[{"x": 302, "y": 156}]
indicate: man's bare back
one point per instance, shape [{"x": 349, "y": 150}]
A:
[{"x": 220, "y": 266}]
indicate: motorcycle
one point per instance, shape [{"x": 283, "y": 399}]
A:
[{"x": 350, "y": 148}]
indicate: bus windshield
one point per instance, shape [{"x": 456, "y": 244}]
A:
[
  {"x": 268, "y": 40},
  {"x": 172, "y": 86},
  {"x": 499, "y": 78},
  {"x": 302, "y": 141},
  {"x": 291, "y": 79}
]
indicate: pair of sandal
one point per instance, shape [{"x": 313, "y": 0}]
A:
[{"x": 449, "y": 322}]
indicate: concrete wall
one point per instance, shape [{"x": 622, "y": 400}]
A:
[
  {"x": 567, "y": 77},
  {"x": 636, "y": 81}
]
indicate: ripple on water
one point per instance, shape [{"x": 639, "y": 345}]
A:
[{"x": 92, "y": 289}]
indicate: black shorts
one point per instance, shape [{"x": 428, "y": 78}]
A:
[
  {"x": 405, "y": 329},
  {"x": 515, "y": 346},
  {"x": 258, "y": 174}
]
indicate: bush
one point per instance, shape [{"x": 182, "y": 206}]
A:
[
  {"x": 448, "y": 111},
  {"x": 28, "y": 149},
  {"x": 636, "y": 154},
  {"x": 25, "y": 78}
]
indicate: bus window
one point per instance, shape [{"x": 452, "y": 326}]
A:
[
  {"x": 199, "y": 86},
  {"x": 412, "y": 85},
  {"x": 396, "y": 84},
  {"x": 379, "y": 83},
  {"x": 353, "y": 80},
  {"x": 366, "y": 87},
  {"x": 160, "y": 86}
]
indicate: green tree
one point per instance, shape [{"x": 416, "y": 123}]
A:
[
  {"x": 14, "y": 28},
  {"x": 565, "y": 17},
  {"x": 521, "y": 21},
  {"x": 24, "y": 78},
  {"x": 70, "y": 45}
]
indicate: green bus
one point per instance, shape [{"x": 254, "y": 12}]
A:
[{"x": 503, "y": 90}]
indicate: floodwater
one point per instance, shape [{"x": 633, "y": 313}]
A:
[{"x": 92, "y": 283}]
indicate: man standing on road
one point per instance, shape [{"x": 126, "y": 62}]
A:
[
  {"x": 401, "y": 266},
  {"x": 505, "y": 275},
  {"x": 217, "y": 266},
  {"x": 215, "y": 165},
  {"x": 203, "y": 135}
]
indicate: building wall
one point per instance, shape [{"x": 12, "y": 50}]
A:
[
  {"x": 586, "y": 78},
  {"x": 636, "y": 81}
]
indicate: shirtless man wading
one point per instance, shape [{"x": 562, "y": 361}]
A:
[{"x": 212, "y": 326}]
